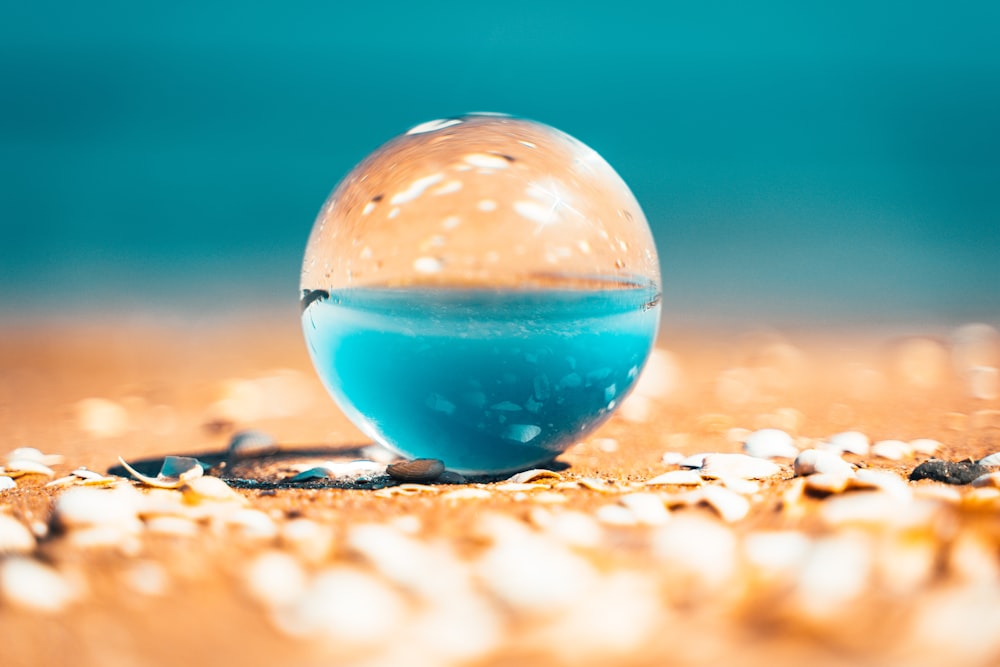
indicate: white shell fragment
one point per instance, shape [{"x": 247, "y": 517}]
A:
[
  {"x": 349, "y": 607},
  {"x": 84, "y": 477},
  {"x": 467, "y": 493},
  {"x": 881, "y": 480},
  {"x": 342, "y": 470},
  {"x": 535, "y": 574},
  {"x": 894, "y": 450},
  {"x": 672, "y": 458},
  {"x": 925, "y": 446},
  {"x": 693, "y": 461},
  {"x": 15, "y": 538},
  {"x": 776, "y": 553},
  {"x": 836, "y": 571},
  {"x": 211, "y": 488},
  {"x": 730, "y": 505},
  {"x": 175, "y": 472},
  {"x": 812, "y": 461},
  {"x": 29, "y": 584},
  {"x": 875, "y": 508},
  {"x": 616, "y": 515},
  {"x": 275, "y": 578},
  {"x": 19, "y": 467},
  {"x": 990, "y": 480},
  {"x": 991, "y": 461},
  {"x": 746, "y": 487},
  {"x": 534, "y": 475},
  {"x": 648, "y": 508},
  {"x": 34, "y": 454},
  {"x": 827, "y": 483},
  {"x": 700, "y": 552},
  {"x": 7, "y": 483},
  {"x": 851, "y": 442},
  {"x": 770, "y": 443},
  {"x": 84, "y": 507},
  {"x": 740, "y": 466},
  {"x": 677, "y": 477}
]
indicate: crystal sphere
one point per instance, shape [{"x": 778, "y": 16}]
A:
[{"x": 483, "y": 290}]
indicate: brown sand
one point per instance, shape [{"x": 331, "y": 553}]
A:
[{"x": 184, "y": 389}]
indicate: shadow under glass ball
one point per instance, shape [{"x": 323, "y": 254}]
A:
[{"x": 482, "y": 290}]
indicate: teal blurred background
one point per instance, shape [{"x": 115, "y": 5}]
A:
[{"x": 798, "y": 163}]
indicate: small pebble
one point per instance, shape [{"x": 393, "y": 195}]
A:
[
  {"x": 251, "y": 444},
  {"x": 770, "y": 443},
  {"x": 451, "y": 477},
  {"x": 894, "y": 450},
  {"x": 416, "y": 470},
  {"x": 949, "y": 472},
  {"x": 812, "y": 461},
  {"x": 741, "y": 466}
]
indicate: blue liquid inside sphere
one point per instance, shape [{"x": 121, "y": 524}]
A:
[{"x": 488, "y": 381}]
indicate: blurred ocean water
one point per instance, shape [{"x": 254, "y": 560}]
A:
[{"x": 797, "y": 163}]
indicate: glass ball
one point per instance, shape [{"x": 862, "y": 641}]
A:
[{"x": 483, "y": 290}]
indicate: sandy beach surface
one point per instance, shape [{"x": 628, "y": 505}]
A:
[{"x": 725, "y": 560}]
